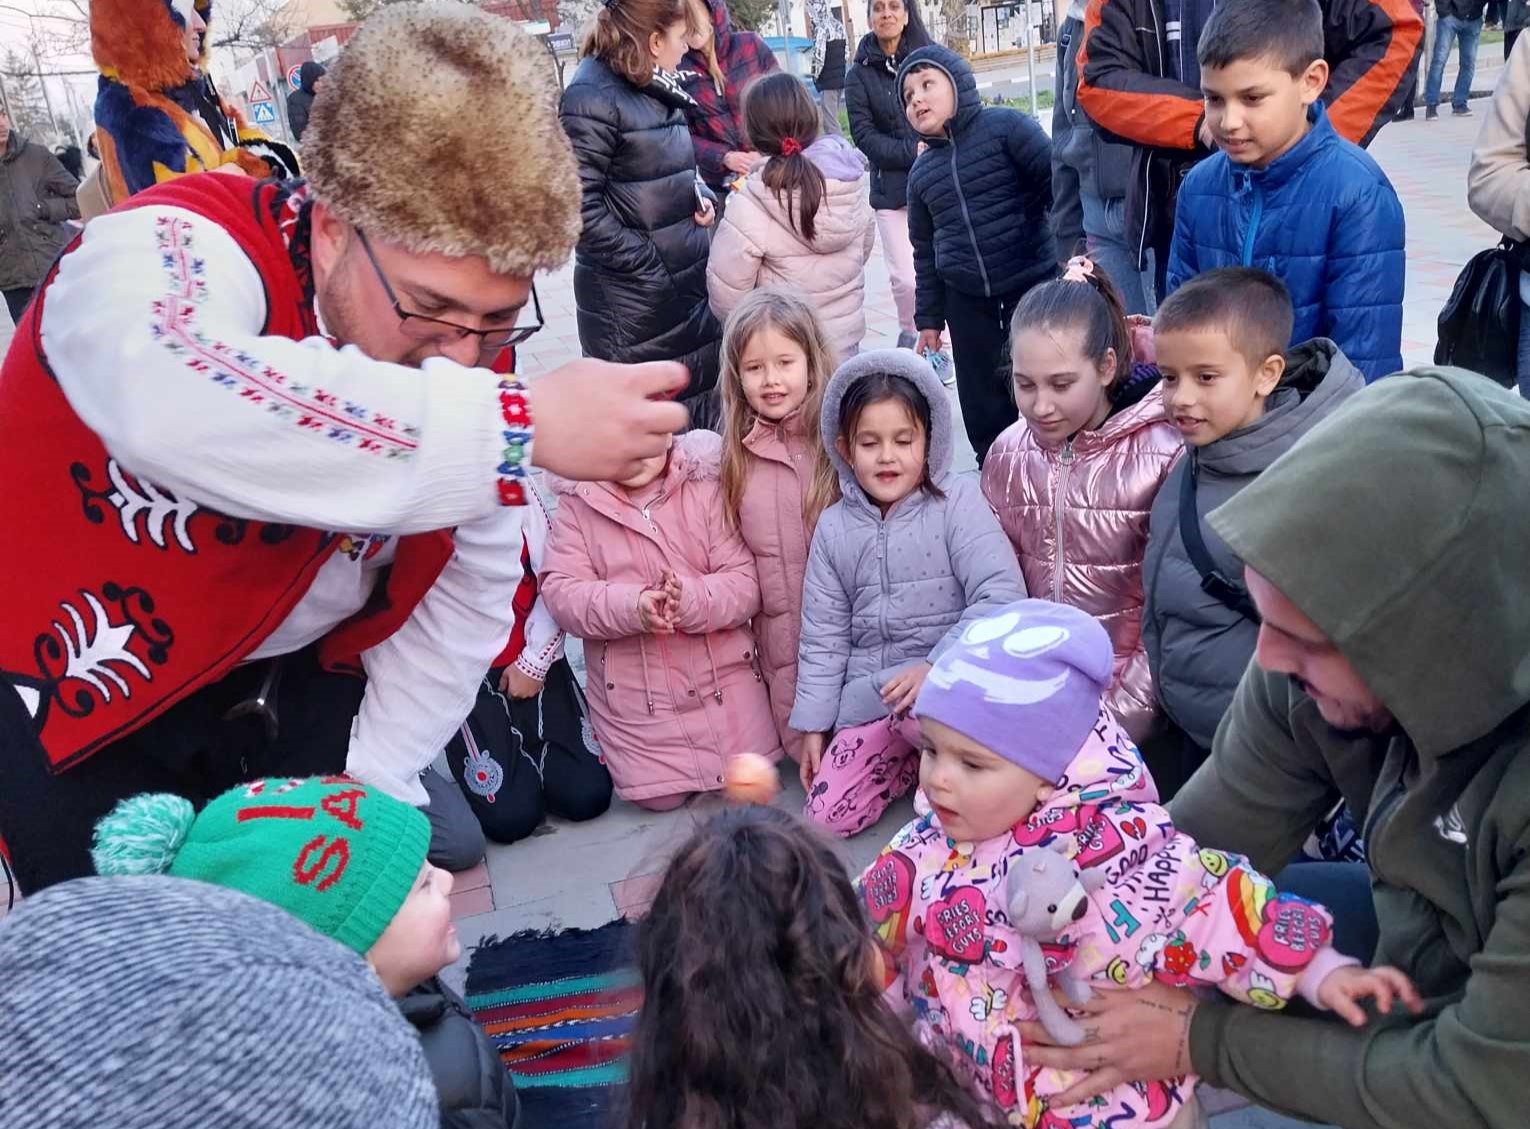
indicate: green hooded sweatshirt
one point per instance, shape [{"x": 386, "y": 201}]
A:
[{"x": 1400, "y": 525}]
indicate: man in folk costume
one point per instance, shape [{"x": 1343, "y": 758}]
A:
[
  {"x": 158, "y": 115},
  {"x": 248, "y": 446}
]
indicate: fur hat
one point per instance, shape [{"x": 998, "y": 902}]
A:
[{"x": 437, "y": 129}]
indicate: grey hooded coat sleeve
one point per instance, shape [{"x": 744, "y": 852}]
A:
[{"x": 824, "y": 652}]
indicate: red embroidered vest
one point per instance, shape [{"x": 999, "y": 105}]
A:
[
  {"x": 121, "y": 599},
  {"x": 525, "y": 600}
]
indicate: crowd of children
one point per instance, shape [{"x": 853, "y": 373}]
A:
[{"x": 816, "y": 581}]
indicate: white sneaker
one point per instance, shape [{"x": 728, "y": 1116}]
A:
[{"x": 941, "y": 363}]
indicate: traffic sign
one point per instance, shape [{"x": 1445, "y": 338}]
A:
[
  {"x": 265, "y": 113},
  {"x": 295, "y": 76},
  {"x": 561, "y": 42},
  {"x": 259, "y": 92}
]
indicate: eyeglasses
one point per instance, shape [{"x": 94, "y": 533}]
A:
[{"x": 422, "y": 328}]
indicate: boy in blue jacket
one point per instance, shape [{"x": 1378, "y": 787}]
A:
[
  {"x": 978, "y": 200},
  {"x": 1288, "y": 194}
]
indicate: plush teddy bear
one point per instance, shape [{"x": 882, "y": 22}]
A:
[{"x": 1045, "y": 893}]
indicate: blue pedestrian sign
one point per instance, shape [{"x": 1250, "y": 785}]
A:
[{"x": 265, "y": 113}]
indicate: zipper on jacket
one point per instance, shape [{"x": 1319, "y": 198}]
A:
[
  {"x": 886, "y": 586},
  {"x": 1066, "y": 459},
  {"x": 1147, "y": 164},
  {"x": 1380, "y": 814},
  {"x": 1253, "y": 223},
  {"x": 961, "y": 198}
]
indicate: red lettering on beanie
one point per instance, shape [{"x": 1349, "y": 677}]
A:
[
  {"x": 342, "y": 805},
  {"x": 275, "y": 811},
  {"x": 338, "y": 849}
]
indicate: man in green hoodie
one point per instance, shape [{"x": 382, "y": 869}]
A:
[{"x": 1385, "y": 552}]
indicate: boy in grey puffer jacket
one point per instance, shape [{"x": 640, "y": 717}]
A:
[
  {"x": 893, "y": 573},
  {"x": 1198, "y": 645}
]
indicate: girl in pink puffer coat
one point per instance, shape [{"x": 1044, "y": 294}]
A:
[
  {"x": 802, "y": 217},
  {"x": 776, "y": 478},
  {"x": 1073, "y": 481},
  {"x": 649, "y": 574}
]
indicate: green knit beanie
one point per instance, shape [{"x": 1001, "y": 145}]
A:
[{"x": 329, "y": 850}]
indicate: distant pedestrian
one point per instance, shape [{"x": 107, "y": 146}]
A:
[
  {"x": 832, "y": 31},
  {"x": 36, "y": 198},
  {"x": 300, "y": 101},
  {"x": 1516, "y": 17},
  {"x": 882, "y": 132},
  {"x": 1460, "y": 21},
  {"x": 72, "y": 159}
]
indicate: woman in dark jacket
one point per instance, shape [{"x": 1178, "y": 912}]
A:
[
  {"x": 881, "y": 131},
  {"x": 640, "y": 270}
]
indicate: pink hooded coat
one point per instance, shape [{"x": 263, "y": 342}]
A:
[
  {"x": 667, "y": 709},
  {"x": 771, "y": 521},
  {"x": 756, "y": 245},
  {"x": 1077, "y": 515}
]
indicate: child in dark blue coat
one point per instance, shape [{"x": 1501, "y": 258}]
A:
[
  {"x": 978, "y": 198},
  {"x": 1286, "y": 193}
]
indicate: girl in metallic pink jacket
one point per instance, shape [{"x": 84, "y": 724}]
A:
[
  {"x": 1073, "y": 480},
  {"x": 1044, "y": 853}
]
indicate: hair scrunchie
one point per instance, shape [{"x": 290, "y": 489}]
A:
[{"x": 790, "y": 147}]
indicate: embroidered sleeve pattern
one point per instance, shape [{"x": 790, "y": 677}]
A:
[
  {"x": 308, "y": 407},
  {"x": 215, "y": 391},
  {"x": 515, "y": 467}
]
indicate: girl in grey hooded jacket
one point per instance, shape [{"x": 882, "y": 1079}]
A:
[{"x": 888, "y": 582}]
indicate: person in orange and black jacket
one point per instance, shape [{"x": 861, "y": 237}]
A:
[{"x": 1139, "y": 80}]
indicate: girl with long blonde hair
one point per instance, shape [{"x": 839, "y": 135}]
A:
[{"x": 776, "y": 476}]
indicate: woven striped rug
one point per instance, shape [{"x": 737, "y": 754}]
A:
[{"x": 560, "y": 1006}]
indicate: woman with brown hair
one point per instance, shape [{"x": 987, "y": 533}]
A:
[{"x": 640, "y": 266}]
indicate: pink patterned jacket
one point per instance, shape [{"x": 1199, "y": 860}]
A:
[{"x": 1170, "y": 910}]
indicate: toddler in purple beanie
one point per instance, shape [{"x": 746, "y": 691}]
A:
[{"x": 1020, "y": 755}]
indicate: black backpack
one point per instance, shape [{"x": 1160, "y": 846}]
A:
[{"x": 1479, "y": 326}]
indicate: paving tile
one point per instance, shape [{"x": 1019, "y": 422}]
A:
[
  {"x": 468, "y": 903},
  {"x": 634, "y": 895},
  {"x": 471, "y": 879}
]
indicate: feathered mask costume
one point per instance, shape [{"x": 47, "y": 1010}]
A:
[{"x": 157, "y": 113}]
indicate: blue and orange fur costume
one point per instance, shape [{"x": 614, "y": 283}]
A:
[{"x": 158, "y": 115}]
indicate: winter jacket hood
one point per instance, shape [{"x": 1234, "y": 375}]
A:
[
  {"x": 1456, "y": 488},
  {"x": 1197, "y": 647},
  {"x": 1325, "y": 219},
  {"x": 1077, "y": 516},
  {"x": 637, "y": 173},
  {"x": 308, "y": 74},
  {"x": 939, "y": 444},
  {"x": 963, "y": 81}
]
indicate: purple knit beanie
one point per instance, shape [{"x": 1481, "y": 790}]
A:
[{"x": 1025, "y": 683}]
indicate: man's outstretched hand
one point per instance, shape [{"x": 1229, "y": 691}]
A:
[{"x": 596, "y": 421}]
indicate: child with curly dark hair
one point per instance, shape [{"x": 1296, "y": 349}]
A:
[{"x": 758, "y": 970}]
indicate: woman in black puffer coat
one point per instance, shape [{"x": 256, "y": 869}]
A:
[
  {"x": 882, "y": 132},
  {"x": 640, "y": 270}
]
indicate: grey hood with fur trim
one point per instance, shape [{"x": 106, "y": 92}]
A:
[{"x": 882, "y": 593}]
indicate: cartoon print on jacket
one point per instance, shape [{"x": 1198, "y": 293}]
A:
[{"x": 1157, "y": 906}]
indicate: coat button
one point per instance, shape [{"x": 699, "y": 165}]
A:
[
  {"x": 610, "y": 686},
  {"x": 690, "y": 693},
  {"x": 719, "y": 779}
]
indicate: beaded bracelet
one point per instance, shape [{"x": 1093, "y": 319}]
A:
[{"x": 515, "y": 411}]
